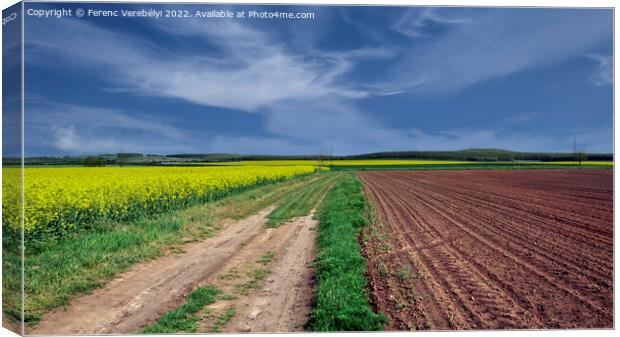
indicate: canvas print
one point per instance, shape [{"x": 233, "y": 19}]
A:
[{"x": 208, "y": 168}]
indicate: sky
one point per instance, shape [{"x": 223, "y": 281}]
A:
[
  {"x": 352, "y": 80},
  {"x": 11, "y": 78}
]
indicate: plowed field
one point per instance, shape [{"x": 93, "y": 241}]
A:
[{"x": 491, "y": 249}]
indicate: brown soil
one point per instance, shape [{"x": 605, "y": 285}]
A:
[
  {"x": 283, "y": 300},
  {"x": 492, "y": 249}
]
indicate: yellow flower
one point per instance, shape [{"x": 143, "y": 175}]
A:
[{"x": 72, "y": 197}]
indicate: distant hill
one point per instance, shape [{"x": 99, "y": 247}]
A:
[
  {"x": 467, "y": 154},
  {"x": 481, "y": 155}
]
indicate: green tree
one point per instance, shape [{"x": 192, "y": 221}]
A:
[
  {"x": 94, "y": 161},
  {"x": 123, "y": 158}
]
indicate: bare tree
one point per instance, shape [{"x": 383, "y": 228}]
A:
[
  {"x": 324, "y": 154},
  {"x": 320, "y": 156},
  {"x": 579, "y": 155}
]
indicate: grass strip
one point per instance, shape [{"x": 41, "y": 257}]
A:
[
  {"x": 341, "y": 299},
  {"x": 299, "y": 203},
  {"x": 183, "y": 319}
]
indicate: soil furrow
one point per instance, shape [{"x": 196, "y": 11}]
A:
[
  {"x": 468, "y": 226},
  {"x": 545, "y": 252},
  {"x": 507, "y": 259},
  {"x": 443, "y": 259}
]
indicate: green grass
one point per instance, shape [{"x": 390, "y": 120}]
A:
[
  {"x": 183, "y": 319},
  {"x": 266, "y": 258},
  {"x": 341, "y": 300},
  {"x": 11, "y": 279},
  {"x": 55, "y": 271},
  {"x": 256, "y": 281},
  {"x": 302, "y": 201},
  {"x": 232, "y": 274},
  {"x": 223, "y": 319}
]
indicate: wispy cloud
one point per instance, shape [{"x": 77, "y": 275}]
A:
[
  {"x": 255, "y": 71},
  {"x": 291, "y": 129},
  {"x": 305, "y": 96},
  {"x": 247, "y": 68},
  {"x": 603, "y": 75},
  {"x": 500, "y": 42},
  {"x": 415, "y": 21},
  {"x": 80, "y": 129}
]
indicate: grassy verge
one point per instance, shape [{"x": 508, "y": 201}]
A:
[
  {"x": 341, "y": 299},
  {"x": 183, "y": 319},
  {"x": 11, "y": 283},
  {"x": 58, "y": 270},
  {"x": 300, "y": 202}
]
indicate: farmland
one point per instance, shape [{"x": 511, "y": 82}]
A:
[
  {"x": 417, "y": 244},
  {"x": 491, "y": 249},
  {"x": 58, "y": 271}
]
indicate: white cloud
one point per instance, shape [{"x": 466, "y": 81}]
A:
[
  {"x": 292, "y": 129},
  {"x": 415, "y": 20},
  {"x": 368, "y": 139},
  {"x": 325, "y": 124},
  {"x": 254, "y": 72},
  {"x": 604, "y": 74},
  {"x": 501, "y": 42},
  {"x": 305, "y": 97},
  {"x": 66, "y": 139},
  {"x": 82, "y": 129},
  {"x": 246, "y": 68}
]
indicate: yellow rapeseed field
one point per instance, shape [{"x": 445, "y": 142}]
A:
[{"x": 58, "y": 200}]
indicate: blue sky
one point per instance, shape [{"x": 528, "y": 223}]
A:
[
  {"x": 11, "y": 78},
  {"x": 355, "y": 79}
]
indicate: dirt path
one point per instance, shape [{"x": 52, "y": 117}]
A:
[
  {"x": 150, "y": 289},
  {"x": 279, "y": 302},
  {"x": 282, "y": 301}
]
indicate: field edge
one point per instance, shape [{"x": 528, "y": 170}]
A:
[{"x": 342, "y": 302}]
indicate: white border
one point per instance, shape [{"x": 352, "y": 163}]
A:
[{"x": 473, "y": 3}]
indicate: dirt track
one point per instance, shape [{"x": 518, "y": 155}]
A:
[
  {"x": 142, "y": 295},
  {"x": 492, "y": 249},
  {"x": 282, "y": 303}
]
